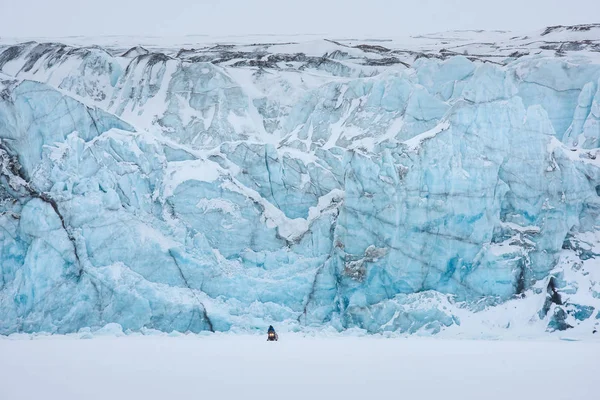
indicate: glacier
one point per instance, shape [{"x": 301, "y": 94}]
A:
[{"x": 312, "y": 184}]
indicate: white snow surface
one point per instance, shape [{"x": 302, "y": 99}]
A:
[{"x": 296, "y": 367}]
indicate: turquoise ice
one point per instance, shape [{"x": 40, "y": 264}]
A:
[{"x": 156, "y": 193}]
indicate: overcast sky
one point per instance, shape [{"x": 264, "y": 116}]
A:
[{"x": 331, "y": 17}]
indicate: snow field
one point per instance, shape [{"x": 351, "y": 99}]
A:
[{"x": 296, "y": 367}]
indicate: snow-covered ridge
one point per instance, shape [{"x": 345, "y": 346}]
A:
[
  {"x": 221, "y": 183},
  {"x": 502, "y": 46}
]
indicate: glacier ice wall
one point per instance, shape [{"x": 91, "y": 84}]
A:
[{"x": 187, "y": 194}]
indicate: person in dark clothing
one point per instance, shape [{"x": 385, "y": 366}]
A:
[{"x": 271, "y": 334}]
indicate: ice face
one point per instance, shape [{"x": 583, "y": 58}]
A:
[{"x": 156, "y": 192}]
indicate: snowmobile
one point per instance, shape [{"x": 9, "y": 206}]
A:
[{"x": 271, "y": 334}]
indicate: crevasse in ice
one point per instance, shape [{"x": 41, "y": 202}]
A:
[{"x": 158, "y": 193}]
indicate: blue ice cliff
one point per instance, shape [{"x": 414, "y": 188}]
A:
[{"x": 340, "y": 184}]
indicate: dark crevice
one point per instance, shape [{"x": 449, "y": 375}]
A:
[
  {"x": 45, "y": 198},
  {"x": 520, "y": 283},
  {"x": 185, "y": 281},
  {"x": 552, "y": 297},
  {"x": 13, "y": 172},
  {"x": 269, "y": 175},
  {"x": 93, "y": 121},
  {"x": 311, "y": 294},
  {"x": 99, "y": 295}
]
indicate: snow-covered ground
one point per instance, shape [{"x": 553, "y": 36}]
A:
[{"x": 296, "y": 367}]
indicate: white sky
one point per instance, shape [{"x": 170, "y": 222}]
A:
[{"x": 331, "y": 17}]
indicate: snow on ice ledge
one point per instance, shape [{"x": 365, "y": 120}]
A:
[{"x": 171, "y": 193}]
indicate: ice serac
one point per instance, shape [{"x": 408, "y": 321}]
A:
[{"x": 227, "y": 188}]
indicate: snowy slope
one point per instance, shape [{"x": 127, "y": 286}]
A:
[{"x": 227, "y": 183}]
